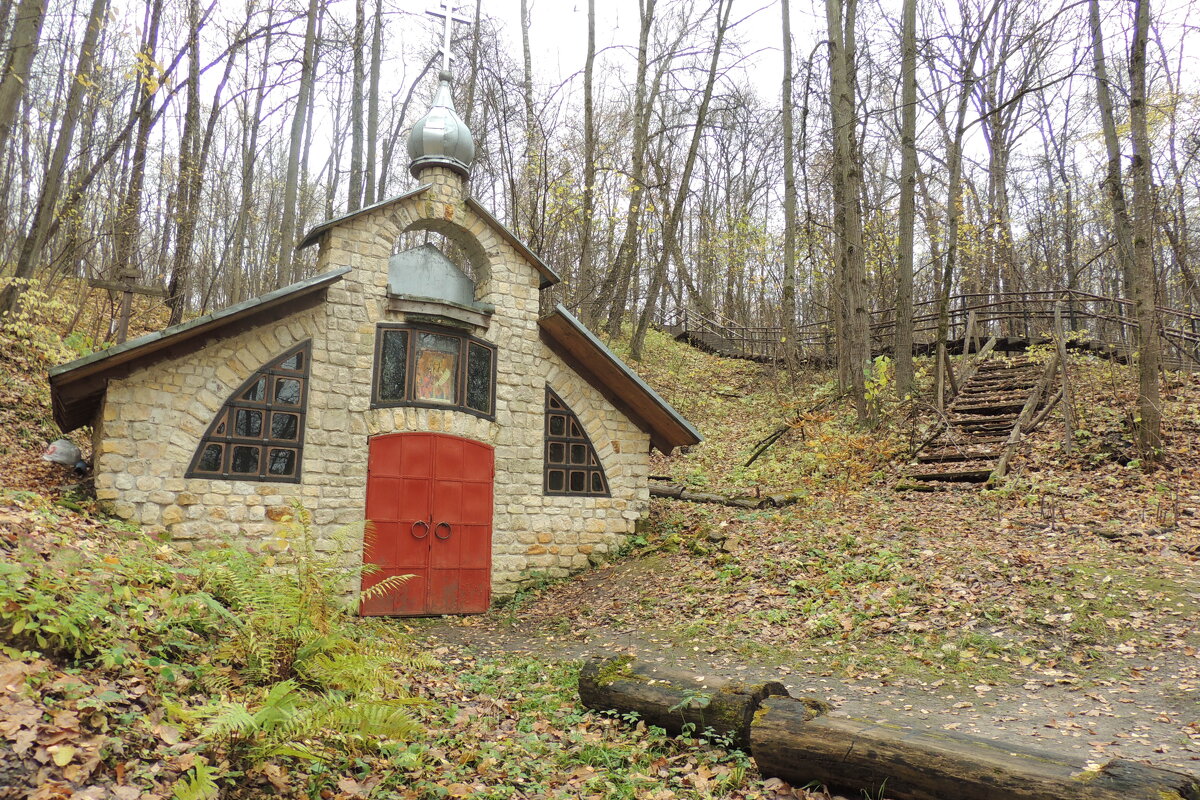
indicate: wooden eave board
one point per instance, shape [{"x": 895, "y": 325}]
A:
[
  {"x": 610, "y": 376},
  {"x": 76, "y": 388}
]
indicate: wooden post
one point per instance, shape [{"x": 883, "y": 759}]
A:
[
  {"x": 969, "y": 336},
  {"x": 126, "y": 284},
  {"x": 950, "y": 374},
  {"x": 1060, "y": 343},
  {"x": 940, "y": 373}
]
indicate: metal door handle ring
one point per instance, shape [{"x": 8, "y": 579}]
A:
[
  {"x": 413, "y": 531},
  {"x": 438, "y": 527}
]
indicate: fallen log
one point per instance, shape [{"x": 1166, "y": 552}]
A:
[
  {"x": 789, "y": 743},
  {"x": 671, "y": 698},
  {"x": 675, "y": 491}
]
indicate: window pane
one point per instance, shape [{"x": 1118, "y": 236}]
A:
[
  {"x": 248, "y": 423},
  {"x": 287, "y": 391},
  {"x": 256, "y": 393},
  {"x": 597, "y": 483},
  {"x": 578, "y": 482},
  {"x": 576, "y": 431},
  {"x": 245, "y": 460},
  {"x": 436, "y": 368},
  {"x": 393, "y": 365},
  {"x": 281, "y": 462},
  {"x": 284, "y": 426},
  {"x": 210, "y": 459},
  {"x": 555, "y": 481},
  {"x": 295, "y": 362},
  {"x": 558, "y": 453},
  {"x": 578, "y": 454},
  {"x": 558, "y": 425},
  {"x": 479, "y": 378}
]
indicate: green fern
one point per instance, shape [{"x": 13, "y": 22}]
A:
[{"x": 199, "y": 783}]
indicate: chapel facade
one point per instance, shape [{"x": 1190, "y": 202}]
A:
[{"x": 485, "y": 443}]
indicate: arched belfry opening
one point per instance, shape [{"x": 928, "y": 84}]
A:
[{"x": 433, "y": 276}]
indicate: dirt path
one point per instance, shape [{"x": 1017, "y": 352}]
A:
[{"x": 1152, "y": 714}]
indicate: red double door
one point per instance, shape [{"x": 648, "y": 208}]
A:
[{"x": 429, "y": 509}]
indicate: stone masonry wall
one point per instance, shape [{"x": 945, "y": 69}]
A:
[{"x": 152, "y": 421}]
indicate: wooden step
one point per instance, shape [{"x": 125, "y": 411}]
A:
[
  {"x": 969, "y": 441},
  {"x": 972, "y": 475},
  {"x": 989, "y": 410},
  {"x": 954, "y": 455},
  {"x": 998, "y": 420}
]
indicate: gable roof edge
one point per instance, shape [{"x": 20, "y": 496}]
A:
[
  {"x": 77, "y": 386},
  {"x": 613, "y": 378},
  {"x": 549, "y": 276},
  {"x": 317, "y": 231}
]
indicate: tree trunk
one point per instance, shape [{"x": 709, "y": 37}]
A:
[
  {"x": 791, "y": 346},
  {"x": 189, "y": 165},
  {"x": 902, "y": 349},
  {"x": 671, "y": 230},
  {"x": 22, "y": 47},
  {"x": 129, "y": 211},
  {"x": 615, "y": 289},
  {"x": 1149, "y": 421},
  {"x": 287, "y": 227},
  {"x": 847, "y": 176},
  {"x": 43, "y": 216},
  {"x": 672, "y": 698},
  {"x": 374, "y": 193},
  {"x": 355, "y": 193},
  {"x": 1122, "y": 225},
  {"x": 791, "y": 743},
  {"x": 586, "y": 289}
]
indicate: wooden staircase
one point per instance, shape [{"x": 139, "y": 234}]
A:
[{"x": 980, "y": 423}]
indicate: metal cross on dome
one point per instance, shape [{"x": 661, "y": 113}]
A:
[{"x": 448, "y": 12}]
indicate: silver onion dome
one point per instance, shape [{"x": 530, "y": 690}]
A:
[{"x": 441, "y": 138}]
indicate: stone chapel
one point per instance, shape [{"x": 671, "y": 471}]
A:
[{"x": 483, "y": 442}]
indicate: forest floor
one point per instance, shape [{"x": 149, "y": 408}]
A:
[{"x": 1062, "y": 607}]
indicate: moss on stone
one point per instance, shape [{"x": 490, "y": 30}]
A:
[{"x": 615, "y": 669}]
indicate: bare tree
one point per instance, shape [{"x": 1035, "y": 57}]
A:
[
  {"x": 850, "y": 269},
  {"x": 308, "y": 68},
  {"x": 908, "y": 190},
  {"x": 22, "y": 47},
  {"x": 43, "y": 217},
  {"x": 788, "y": 298},
  {"x": 1149, "y": 419}
]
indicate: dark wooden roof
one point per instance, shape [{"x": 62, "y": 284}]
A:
[
  {"x": 610, "y": 376},
  {"x": 77, "y": 388}
]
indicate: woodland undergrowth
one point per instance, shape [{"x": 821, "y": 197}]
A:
[{"x": 133, "y": 668}]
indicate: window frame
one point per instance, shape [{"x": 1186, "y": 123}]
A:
[
  {"x": 273, "y": 371},
  {"x": 593, "y": 465},
  {"x": 465, "y": 340}
]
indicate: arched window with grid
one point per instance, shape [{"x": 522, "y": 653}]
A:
[
  {"x": 258, "y": 435},
  {"x": 571, "y": 464}
]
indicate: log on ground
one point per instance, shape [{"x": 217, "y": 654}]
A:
[
  {"x": 904, "y": 764},
  {"x": 671, "y": 698}
]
